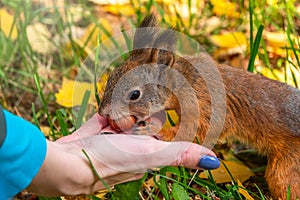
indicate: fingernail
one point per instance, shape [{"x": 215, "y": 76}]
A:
[{"x": 209, "y": 162}]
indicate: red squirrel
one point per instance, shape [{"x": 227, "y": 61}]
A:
[{"x": 260, "y": 112}]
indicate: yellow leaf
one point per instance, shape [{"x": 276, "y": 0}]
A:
[
  {"x": 230, "y": 40},
  {"x": 224, "y": 7},
  {"x": 7, "y": 25},
  {"x": 277, "y": 41},
  {"x": 171, "y": 19},
  {"x": 243, "y": 191},
  {"x": 105, "y": 2},
  {"x": 101, "y": 194},
  {"x": 276, "y": 74},
  {"x": 122, "y": 9},
  {"x": 237, "y": 170},
  {"x": 116, "y": 2},
  {"x": 272, "y": 2},
  {"x": 169, "y": 2},
  {"x": 71, "y": 92},
  {"x": 39, "y": 38},
  {"x": 45, "y": 130},
  {"x": 174, "y": 117}
]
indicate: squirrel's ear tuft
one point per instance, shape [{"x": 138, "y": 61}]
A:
[
  {"x": 156, "y": 45},
  {"x": 146, "y": 33},
  {"x": 149, "y": 21}
]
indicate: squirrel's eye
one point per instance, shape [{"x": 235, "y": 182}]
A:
[{"x": 134, "y": 95}]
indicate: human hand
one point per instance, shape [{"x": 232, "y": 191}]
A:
[
  {"x": 93, "y": 126},
  {"x": 117, "y": 158},
  {"x": 95, "y": 145}
]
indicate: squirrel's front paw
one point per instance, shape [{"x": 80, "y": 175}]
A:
[{"x": 147, "y": 128}]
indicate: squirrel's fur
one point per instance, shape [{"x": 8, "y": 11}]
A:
[{"x": 263, "y": 113}]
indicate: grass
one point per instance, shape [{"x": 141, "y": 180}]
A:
[{"x": 21, "y": 72}]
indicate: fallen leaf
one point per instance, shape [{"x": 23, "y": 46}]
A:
[
  {"x": 224, "y": 7},
  {"x": 105, "y": 2},
  {"x": 183, "y": 9},
  {"x": 120, "y": 2},
  {"x": 272, "y": 2},
  {"x": 71, "y": 92},
  {"x": 45, "y": 130},
  {"x": 243, "y": 191},
  {"x": 174, "y": 117},
  {"x": 39, "y": 38},
  {"x": 230, "y": 43},
  {"x": 237, "y": 170},
  {"x": 277, "y": 41},
  {"x": 281, "y": 76},
  {"x": 172, "y": 19},
  {"x": 230, "y": 40},
  {"x": 101, "y": 194},
  {"x": 127, "y": 7},
  {"x": 7, "y": 25},
  {"x": 121, "y": 9}
]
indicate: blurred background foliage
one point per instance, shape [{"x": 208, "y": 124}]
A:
[{"x": 43, "y": 45}]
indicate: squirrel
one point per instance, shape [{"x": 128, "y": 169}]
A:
[{"x": 260, "y": 112}]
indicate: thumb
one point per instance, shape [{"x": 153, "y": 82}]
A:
[{"x": 92, "y": 127}]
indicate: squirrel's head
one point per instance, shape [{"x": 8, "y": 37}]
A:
[{"x": 139, "y": 86}]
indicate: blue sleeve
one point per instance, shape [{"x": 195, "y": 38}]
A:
[{"x": 22, "y": 152}]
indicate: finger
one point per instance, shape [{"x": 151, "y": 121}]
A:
[
  {"x": 128, "y": 153},
  {"x": 92, "y": 127},
  {"x": 196, "y": 156}
]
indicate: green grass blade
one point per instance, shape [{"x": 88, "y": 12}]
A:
[
  {"x": 255, "y": 47},
  {"x": 162, "y": 184},
  {"x": 96, "y": 173},
  {"x": 44, "y": 103},
  {"x": 128, "y": 41},
  {"x": 96, "y": 71},
  {"x": 214, "y": 184},
  {"x": 83, "y": 107},
  {"x": 288, "y": 195},
  {"x": 210, "y": 184},
  {"x": 148, "y": 6},
  {"x": 235, "y": 185},
  {"x": 61, "y": 115},
  {"x": 288, "y": 32},
  {"x": 260, "y": 192},
  {"x": 295, "y": 78},
  {"x": 35, "y": 120}
]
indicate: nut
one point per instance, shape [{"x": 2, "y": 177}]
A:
[{"x": 122, "y": 124}]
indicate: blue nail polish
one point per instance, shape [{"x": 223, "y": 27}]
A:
[{"x": 209, "y": 162}]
